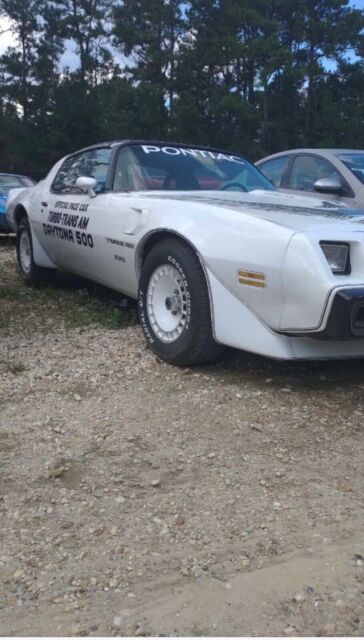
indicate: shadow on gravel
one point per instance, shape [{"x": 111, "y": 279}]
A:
[
  {"x": 236, "y": 366},
  {"x": 72, "y": 283},
  {"x": 239, "y": 367},
  {"x": 75, "y": 300},
  {"x": 7, "y": 240}
]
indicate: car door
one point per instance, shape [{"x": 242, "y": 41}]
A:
[
  {"x": 306, "y": 169},
  {"x": 124, "y": 224},
  {"x": 73, "y": 231}
]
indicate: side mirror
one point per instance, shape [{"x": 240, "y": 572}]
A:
[
  {"x": 330, "y": 185},
  {"x": 87, "y": 184}
]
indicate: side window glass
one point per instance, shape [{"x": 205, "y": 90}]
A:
[
  {"x": 122, "y": 173},
  {"x": 132, "y": 175},
  {"x": 307, "y": 169},
  {"x": 93, "y": 164},
  {"x": 274, "y": 169}
]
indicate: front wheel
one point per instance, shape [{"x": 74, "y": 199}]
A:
[
  {"x": 174, "y": 305},
  {"x": 29, "y": 271}
]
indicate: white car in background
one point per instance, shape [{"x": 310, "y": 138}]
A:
[
  {"x": 337, "y": 174},
  {"x": 213, "y": 252}
]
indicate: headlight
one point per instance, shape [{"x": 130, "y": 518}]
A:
[{"x": 337, "y": 255}]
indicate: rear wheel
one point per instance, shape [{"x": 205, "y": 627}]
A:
[
  {"x": 29, "y": 271},
  {"x": 174, "y": 305}
]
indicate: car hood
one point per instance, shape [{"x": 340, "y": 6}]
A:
[{"x": 292, "y": 211}]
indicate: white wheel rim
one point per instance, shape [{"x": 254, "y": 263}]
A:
[
  {"x": 167, "y": 303},
  {"x": 25, "y": 252}
]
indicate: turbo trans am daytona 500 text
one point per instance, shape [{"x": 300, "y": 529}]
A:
[{"x": 214, "y": 254}]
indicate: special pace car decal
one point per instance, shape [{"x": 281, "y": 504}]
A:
[
  {"x": 176, "y": 151},
  {"x": 69, "y": 227},
  {"x": 120, "y": 243}
]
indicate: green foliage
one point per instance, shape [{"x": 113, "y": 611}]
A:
[{"x": 253, "y": 77}]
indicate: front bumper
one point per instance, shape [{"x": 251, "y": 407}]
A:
[{"x": 346, "y": 318}]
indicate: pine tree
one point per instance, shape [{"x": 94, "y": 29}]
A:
[{"x": 149, "y": 33}]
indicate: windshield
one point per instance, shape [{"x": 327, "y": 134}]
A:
[
  {"x": 8, "y": 182},
  {"x": 354, "y": 162},
  {"x": 152, "y": 167}
]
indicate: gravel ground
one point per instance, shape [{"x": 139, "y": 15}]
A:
[{"x": 137, "y": 498}]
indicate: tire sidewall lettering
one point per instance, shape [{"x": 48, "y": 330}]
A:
[
  {"x": 177, "y": 266},
  {"x": 143, "y": 316},
  {"x": 187, "y": 272}
]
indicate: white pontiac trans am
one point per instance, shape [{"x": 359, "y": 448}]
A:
[{"x": 213, "y": 253}]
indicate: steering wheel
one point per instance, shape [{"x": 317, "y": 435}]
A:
[{"x": 232, "y": 185}]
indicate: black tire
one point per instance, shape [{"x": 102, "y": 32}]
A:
[
  {"x": 195, "y": 344},
  {"x": 29, "y": 271}
]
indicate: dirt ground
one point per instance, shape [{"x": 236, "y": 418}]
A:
[{"x": 137, "y": 498}]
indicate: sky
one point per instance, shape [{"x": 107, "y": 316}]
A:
[{"x": 70, "y": 59}]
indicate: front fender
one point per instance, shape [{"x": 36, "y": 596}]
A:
[{"x": 229, "y": 242}]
